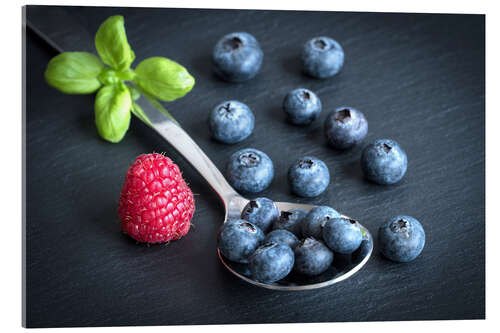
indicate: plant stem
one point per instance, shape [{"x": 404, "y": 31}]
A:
[{"x": 156, "y": 104}]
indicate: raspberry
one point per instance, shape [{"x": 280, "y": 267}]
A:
[{"x": 156, "y": 205}]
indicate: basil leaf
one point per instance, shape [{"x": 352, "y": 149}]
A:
[
  {"x": 74, "y": 72},
  {"x": 112, "y": 45},
  {"x": 139, "y": 113},
  {"x": 112, "y": 112},
  {"x": 163, "y": 78}
]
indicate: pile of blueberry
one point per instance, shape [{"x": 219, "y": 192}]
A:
[
  {"x": 273, "y": 244},
  {"x": 237, "y": 57}
]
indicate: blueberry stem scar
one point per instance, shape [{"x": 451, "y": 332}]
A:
[
  {"x": 401, "y": 226},
  {"x": 306, "y": 241},
  {"x": 249, "y": 159},
  {"x": 342, "y": 115},
  {"x": 320, "y": 44},
  {"x": 268, "y": 245},
  {"x": 305, "y": 164},
  {"x": 386, "y": 148},
  {"x": 250, "y": 227},
  {"x": 254, "y": 204},
  {"x": 234, "y": 43}
]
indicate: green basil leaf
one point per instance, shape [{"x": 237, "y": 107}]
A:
[
  {"x": 163, "y": 78},
  {"x": 112, "y": 112},
  {"x": 112, "y": 45},
  {"x": 139, "y": 113},
  {"x": 74, "y": 72}
]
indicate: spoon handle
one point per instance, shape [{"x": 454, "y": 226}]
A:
[{"x": 186, "y": 146}]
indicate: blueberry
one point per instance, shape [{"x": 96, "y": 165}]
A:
[
  {"x": 301, "y": 106},
  {"x": 237, "y": 57},
  {"x": 271, "y": 262},
  {"x": 231, "y": 122},
  {"x": 262, "y": 212},
  {"x": 312, "y": 257},
  {"x": 312, "y": 225},
  {"x": 322, "y": 57},
  {"x": 345, "y": 127},
  {"x": 384, "y": 162},
  {"x": 308, "y": 177},
  {"x": 401, "y": 239},
  {"x": 291, "y": 220},
  {"x": 238, "y": 239},
  {"x": 282, "y": 236},
  {"x": 342, "y": 235},
  {"x": 249, "y": 170}
]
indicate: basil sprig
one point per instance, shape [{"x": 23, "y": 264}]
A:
[{"x": 84, "y": 73}]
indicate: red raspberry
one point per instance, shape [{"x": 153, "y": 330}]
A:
[{"x": 155, "y": 204}]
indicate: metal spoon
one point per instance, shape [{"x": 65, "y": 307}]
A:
[{"x": 342, "y": 267}]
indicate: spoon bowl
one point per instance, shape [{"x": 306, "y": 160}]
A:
[{"x": 343, "y": 266}]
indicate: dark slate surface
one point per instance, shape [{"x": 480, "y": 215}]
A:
[{"x": 419, "y": 79}]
